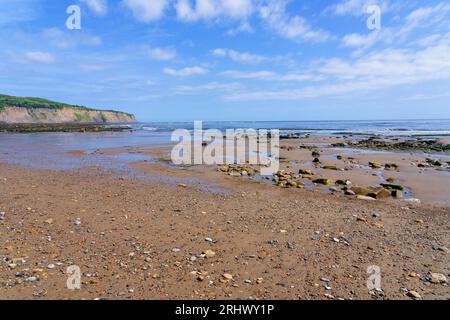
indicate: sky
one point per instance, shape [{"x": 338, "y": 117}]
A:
[{"x": 252, "y": 60}]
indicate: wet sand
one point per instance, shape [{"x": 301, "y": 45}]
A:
[{"x": 184, "y": 236}]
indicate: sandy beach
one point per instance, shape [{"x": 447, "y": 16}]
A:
[{"x": 200, "y": 232}]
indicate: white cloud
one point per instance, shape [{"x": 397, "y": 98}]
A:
[
  {"x": 242, "y": 57},
  {"x": 243, "y": 27},
  {"x": 99, "y": 7},
  {"x": 147, "y": 10},
  {"x": 65, "y": 39},
  {"x": 18, "y": 11},
  {"x": 356, "y": 7},
  {"x": 212, "y": 86},
  {"x": 419, "y": 18},
  {"x": 162, "y": 54},
  {"x": 185, "y": 72},
  {"x": 379, "y": 70},
  {"x": 40, "y": 57},
  {"x": 275, "y": 15},
  {"x": 426, "y": 16},
  {"x": 270, "y": 76},
  {"x": 212, "y": 9}
]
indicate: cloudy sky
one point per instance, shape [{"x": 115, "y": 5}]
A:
[{"x": 232, "y": 59}]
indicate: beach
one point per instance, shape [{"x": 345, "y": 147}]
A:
[{"x": 140, "y": 227}]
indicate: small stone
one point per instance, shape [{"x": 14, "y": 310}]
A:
[
  {"x": 413, "y": 201},
  {"x": 227, "y": 276},
  {"x": 377, "y": 225},
  {"x": 248, "y": 281},
  {"x": 366, "y": 198},
  {"x": 208, "y": 240},
  {"x": 326, "y": 182},
  {"x": 376, "y": 215},
  {"x": 193, "y": 258},
  {"x": 420, "y": 221},
  {"x": 334, "y": 189},
  {"x": 182, "y": 185},
  {"x": 414, "y": 295},
  {"x": 31, "y": 279},
  {"x": 51, "y": 266},
  {"x": 375, "y": 165},
  {"x": 259, "y": 280},
  {"x": 209, "y": 253},
  {"x": 443, "y": 249},
  {"x": 49, "y": 221},
  {"x": 437, "y": 278},
  {"x": 324, "y": 279},
  {"x": 175, "y": 250},
  {"x": 412, "y": 275}
]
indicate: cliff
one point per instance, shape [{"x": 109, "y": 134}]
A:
[{"x": 19, "y": 110}]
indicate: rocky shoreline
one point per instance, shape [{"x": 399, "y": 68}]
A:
[
  {"x": 66, "y": 127},
  {"x": 159, "y": 231}
]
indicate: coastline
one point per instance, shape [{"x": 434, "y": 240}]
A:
[{"x": 142, "y": 228}]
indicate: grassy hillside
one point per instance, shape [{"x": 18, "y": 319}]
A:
[{"x": 33, "y": 103}]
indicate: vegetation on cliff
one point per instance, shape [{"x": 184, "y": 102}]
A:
[{"x": 36, "y": 103}]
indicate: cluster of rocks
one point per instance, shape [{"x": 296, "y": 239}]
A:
[
  {"x": 430, "y": 163},
  {"x": 386, "y": 166},
  {"x": 376, "y": 143},
  {"x": 385, "y": 191},
  {"x": 286, "y": 179},
  {"x": 239, "y": 170}
]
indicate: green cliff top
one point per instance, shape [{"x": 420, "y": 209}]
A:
[{"x": 33, "y": 103}]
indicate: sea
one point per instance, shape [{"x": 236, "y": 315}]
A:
[
  {"x": 363, "y": 127},
  {"x": 50, "y": 150}
]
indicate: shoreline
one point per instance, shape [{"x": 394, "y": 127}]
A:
[{"x": 140, "y": 227}]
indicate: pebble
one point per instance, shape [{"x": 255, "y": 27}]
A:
[
  {"x": 209, "y": 240},
  {"x": 413, "y": 201},
  {"x": 227, "y": 276},
  {"x": 51, "y": 266},
  {"x": 324, "y": 279},
  {"x": 176, "y": 250},
  {"x": 443, "y": 249},
  {"x": 31, "y": 279},
  {"x": 414, "y": 295},
  {"x": 193, "y": 259},
  {"x": 209, "y": 253},
  {"x": 437, "y": 278},
  {"x": 377, "y": 225}
]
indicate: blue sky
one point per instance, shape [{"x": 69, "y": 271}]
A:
[{"x": 183, "y": 60}]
